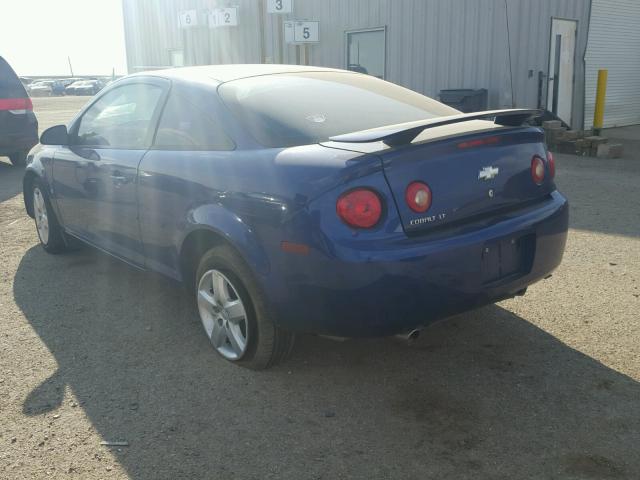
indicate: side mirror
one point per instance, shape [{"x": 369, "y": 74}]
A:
[{"x": 57, "y": 135}]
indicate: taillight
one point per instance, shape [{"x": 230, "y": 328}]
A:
[
  {"x": 537, "y": 169},
  {"x": 16, "y": 104},
  {"x": 552, "y": 165},
  {"x": 360, "y": 208},
  {"x": 418, "y": 197}
]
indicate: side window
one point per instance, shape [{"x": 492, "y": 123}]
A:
[
  {"x": 10, "y": 86},
  {"x": 121, "y": 118},
  {"x": 184, "y": 126}
]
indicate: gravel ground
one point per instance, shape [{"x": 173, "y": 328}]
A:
[{"x": 543, "y": 386}]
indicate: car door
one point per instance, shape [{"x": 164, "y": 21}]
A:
[
  {"x": 95, "y": 177},
  {"x": 191, "y": 154}
]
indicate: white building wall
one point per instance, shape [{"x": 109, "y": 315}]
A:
[
  {"x": 431, "y": 44},
  {"x": 614, "y": 44}
]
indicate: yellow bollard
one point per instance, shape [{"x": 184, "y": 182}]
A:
[{"x": 601, "y": 91}]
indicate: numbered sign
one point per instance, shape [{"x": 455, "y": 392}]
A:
[
  {"x": 279, "y": 6},
  {"x": 289, "y": 28},
  {"x": 306, "y": 32},
  {"x": 223, "y": 17},
  {"x": 188, "y": 19}
]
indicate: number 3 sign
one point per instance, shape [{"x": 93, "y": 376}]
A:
[{"x": 279, "y": 6}]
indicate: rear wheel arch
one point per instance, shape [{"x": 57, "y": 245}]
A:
[{"x": 194, "y": 246}]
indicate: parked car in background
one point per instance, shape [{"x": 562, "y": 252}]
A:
[
  {"x": 26, "y": 82},
  {"x": 46, "y": 88},
  {"x": 68, "y": 81},
  {"x": 302, "y": 199},
  {"x": 84, "y": 87},
  {"x": 18, "y": 124}
]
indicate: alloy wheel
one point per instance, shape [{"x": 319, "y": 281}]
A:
[
  {"x": 40, "y": 214},
  {"x": 223, "y": 314}
]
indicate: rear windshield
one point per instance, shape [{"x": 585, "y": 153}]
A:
[
  {"x": 298, "y": 109},
  {"x": 10, "y": 85}
]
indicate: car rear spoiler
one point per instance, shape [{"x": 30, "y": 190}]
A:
[{"x": 405, "y": 133}]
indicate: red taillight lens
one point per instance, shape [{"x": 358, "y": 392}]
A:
[
  {"x": 418, "y": 197},
  {"x": 361, "y": 208},
  {"x": 552, "y": 165},
  {"x": 537, "y": 170},
  {"x": 16, "y": 104}
]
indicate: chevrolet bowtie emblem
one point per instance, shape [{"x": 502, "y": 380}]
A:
[{"x": 487, "y": 173}]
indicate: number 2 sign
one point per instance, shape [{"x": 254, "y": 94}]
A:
[
  {"x": 223, "y": 17},
  {"x": 279, "y": 6}
]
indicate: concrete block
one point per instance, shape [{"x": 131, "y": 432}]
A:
[
  {"x": 570, "y": 135},
  {"x": 581, "y": 146},
  {"x": 554, "y": 135},
  {"x": 586, "y": 133},
  {"x": 552, "y": 124},
  {"x": 566, "y": 146},
  {"x": 596, "y": 140},
  {"x": 609, "y": 150}
]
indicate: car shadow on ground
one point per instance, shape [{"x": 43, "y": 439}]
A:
[
  {"x": 483, "y": 395},
  {"x": 10, "y": 179}
]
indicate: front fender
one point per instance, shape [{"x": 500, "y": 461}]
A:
[
  {"x": 226, "y": 224},
  {"x": 39, "y": 166}
]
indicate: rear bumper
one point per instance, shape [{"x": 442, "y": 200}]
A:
[
  {"x": 18, "y": 134},
  {"x": 411, "y": 282}
]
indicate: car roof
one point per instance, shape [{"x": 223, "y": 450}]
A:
[{"x": 227, "y": 73}]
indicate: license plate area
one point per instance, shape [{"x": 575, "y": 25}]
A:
[{"x": 507, "y": 257}]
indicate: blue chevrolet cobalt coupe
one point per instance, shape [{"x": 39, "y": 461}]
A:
[{"x": 301, "y": 199}]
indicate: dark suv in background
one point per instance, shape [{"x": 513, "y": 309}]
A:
[{"x": 18, "y": 124}]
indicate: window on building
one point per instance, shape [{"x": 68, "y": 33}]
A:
[
  {"x": 186, "y": 127},
  {"x": 366, "y": 52}
]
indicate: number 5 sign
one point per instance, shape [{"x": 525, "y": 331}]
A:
[
  {"x": 306, "y": 32},
  {"x": 279, "y": 6}
]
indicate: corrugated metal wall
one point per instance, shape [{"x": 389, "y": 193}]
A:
[
  {"x": 431, "y": 44},
  {"x": 151, "y": 32},
  {"x": 614, "y": 44}
]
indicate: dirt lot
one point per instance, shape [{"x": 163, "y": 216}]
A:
[{"x": 544, "y": 386}]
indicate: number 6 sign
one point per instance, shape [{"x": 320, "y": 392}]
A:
[{"x": 188, "y": 19}]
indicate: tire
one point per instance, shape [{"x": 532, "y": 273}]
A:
[
  {"x": 265, "y": 344},
  {"x": 18, "y": 159},
  {"x": 50, "y": 233}
]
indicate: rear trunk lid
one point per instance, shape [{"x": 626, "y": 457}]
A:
[{"x": 474, "y": 169}]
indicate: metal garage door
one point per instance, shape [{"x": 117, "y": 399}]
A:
[{"x": 614, "y": 44}]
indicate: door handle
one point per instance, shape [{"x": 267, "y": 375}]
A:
[{"x": 118, "y": 178}]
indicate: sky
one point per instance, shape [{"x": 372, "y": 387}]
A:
[{"x": 37, "y": 36}]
